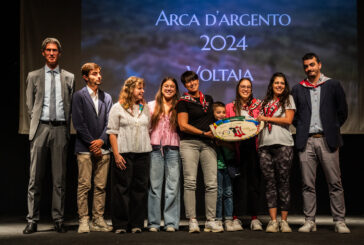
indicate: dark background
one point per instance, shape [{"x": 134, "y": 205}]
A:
[{"x": 14, "y": 153}]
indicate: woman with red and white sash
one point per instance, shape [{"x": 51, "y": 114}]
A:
[
  {"x": 276, "y": 149},
  {"x": 246, "y": 105},
  {"x": 195, "y": 114}
]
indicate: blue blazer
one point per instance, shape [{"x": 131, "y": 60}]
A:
[
  {"x": 333, "y": 113},
  {"x": 88, "y": 124}
]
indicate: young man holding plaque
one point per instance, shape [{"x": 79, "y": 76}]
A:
[{"x": 321, "y": 111}]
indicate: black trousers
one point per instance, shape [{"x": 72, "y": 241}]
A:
[
  {"x": 250, "y": 178},
  {"x": 129, "y": 191}
]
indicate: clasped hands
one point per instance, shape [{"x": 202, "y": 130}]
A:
[{"x": 95, "y": 147}]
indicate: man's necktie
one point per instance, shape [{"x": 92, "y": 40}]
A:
[{"x": 52, "y": 101}]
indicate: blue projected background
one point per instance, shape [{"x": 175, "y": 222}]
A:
[{"x": 220, "y": 40}]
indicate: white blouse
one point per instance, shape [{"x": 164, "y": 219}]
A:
[{"x": 131, "y": 130}]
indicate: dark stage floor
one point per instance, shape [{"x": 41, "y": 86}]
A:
[{"x": 11, "y": 233}]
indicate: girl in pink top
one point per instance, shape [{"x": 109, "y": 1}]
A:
[
  {"x": 247, "y": 159},
  {"x": 165, "y": 159}
]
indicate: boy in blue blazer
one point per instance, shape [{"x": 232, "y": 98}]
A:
[{"x": 90, "y": 113}]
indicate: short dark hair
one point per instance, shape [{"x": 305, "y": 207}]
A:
[
  {"x": 309, "y": 56},
  {"x": 86, "y": 68},
  {"x": 217, "y": 104},
  {"x": 188, "y": 76}
]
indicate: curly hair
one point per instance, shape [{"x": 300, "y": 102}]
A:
[{"x": 126, "y": 93}]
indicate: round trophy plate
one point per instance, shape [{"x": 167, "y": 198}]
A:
[{"x": 236, "y": 128}]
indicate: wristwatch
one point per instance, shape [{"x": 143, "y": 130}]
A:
[{"x": 203, "y": 133}]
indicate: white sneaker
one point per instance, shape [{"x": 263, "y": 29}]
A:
[
  {"x": 272, "y": 226},
  {"x": 237, "y": 225},
  {"x": 213, "y": 226},
  {"x": 308, "y": 226},
  {"x": 340, "y": 227},
  {"x": 153, "y": 229},
  {"x": 120, "y": 231},
  {"x": 284, "y": 226},
  {"x": 83, "y": 226},
  {"x": 136, "y": 230},
  {"x": 229, "y": 225},
  {"x": 170, "y": 229},
  {"x": 99, "y": 224},
  {"x": 193, "y": 226},
  {"x": 256, "y": 225}
]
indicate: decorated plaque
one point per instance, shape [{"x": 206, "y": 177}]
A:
[{"x": 236, "y": 128}]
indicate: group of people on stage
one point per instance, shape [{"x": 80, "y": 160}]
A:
[{"x": 152, "y": 142}]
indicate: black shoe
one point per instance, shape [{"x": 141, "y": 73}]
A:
[
  {"x": 59, "y": 227},
  {"x": 30, "y": 228}
]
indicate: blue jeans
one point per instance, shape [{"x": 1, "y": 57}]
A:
[
  {"x": 168, "y": 166},
  {"x": 224, "y": 195}
]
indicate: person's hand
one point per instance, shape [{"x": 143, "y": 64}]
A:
[
  {"x": 261, "y": 118},
  {"x": 96, "y": 145},
  {"x": 120, "y": 161},
  {"x": 97, "y": 153},
  {"x": 209, "y": 134}
]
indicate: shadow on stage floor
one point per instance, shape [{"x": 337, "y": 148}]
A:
[{"x": 11, "y": 233}]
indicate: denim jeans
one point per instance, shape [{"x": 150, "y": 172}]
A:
[
  {"x": 194, "y": 152},
  {"x": 167, "y": 166},
  {"x": 224, "y": 195}
]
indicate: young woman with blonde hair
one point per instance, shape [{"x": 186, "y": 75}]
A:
[{"x": 128, "y": 130}]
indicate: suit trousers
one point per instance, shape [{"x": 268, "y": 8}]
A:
[
  {"x": 100, "y": 168},
  {"x": 129, "y": 191},
  {"x": 317, "y": 151},
  {"x": 53, "y": 139}
]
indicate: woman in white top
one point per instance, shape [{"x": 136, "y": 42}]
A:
[
  {"x": 129, "y": 138},
  {"x": 276, "y": 149}
]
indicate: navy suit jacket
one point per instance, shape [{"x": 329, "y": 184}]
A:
[
  {"x": 88, "y": 124},
  {"x": 333, "y": 113}
]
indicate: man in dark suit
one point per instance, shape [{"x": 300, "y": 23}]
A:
[
  {"x": 90, "y": 113},
  {"x": 48, "y": 98},
  {"x": 321, "y": 111}
]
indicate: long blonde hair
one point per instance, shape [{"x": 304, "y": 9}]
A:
[
  {"x": 159, "y": 108},
  {"x": 126, "y": 93}
]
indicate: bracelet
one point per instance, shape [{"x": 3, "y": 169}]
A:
[{"x": 203, "y": 133}]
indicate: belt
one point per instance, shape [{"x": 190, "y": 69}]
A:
[
  {"x": 316, "y": 135},
  {"x": 53, "y": 123}
]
